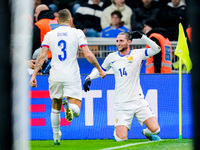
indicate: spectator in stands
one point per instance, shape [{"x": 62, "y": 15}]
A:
[
  {"x": 87, "y": 18},
  {"x": 39, "y": 2},
  {"x": 74, "y": 5},
  {"x": 116, "y": 25},
  {"x": 120, "y": 6},
  {"x": 46, "y": 21},
  {"x": 132, "y": 3},
  {"x": 144, "y": 16},
  {"x": 69, "y": 4},
  {"x": 162, "y": 61},
  {"x": 36, "y": 3},
  {"x": 103, "y": 3},
  {"x": 171, "y": 15},
  {"x": 114, "y": 29},
  {"x": 106, "y": 3},
  {"x": 47, "y": 2},
  {"x": 163, "y": 3}
]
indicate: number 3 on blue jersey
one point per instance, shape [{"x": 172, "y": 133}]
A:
[
  {"x": 62, "y": 44},
  {"x": 122, "y": 72}
]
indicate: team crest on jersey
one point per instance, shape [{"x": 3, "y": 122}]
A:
[
  {"x": 116, "y": 120},
  {"x": 130, "y": 59}
]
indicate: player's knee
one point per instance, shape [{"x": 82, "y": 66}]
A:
[
  {"x": 55, "y": 111},
  {"x": 120, "y": 137}
]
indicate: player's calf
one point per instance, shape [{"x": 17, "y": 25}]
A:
[{"x": 117, "y": 139}]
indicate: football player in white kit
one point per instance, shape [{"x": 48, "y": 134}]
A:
[
  {"x": 129, "y": 99},
  {"x": 64, "y": 78}
]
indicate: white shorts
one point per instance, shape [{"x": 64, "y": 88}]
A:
[
  {"x": 124, "y": 112},
  {"x": 60, "y": 90}
]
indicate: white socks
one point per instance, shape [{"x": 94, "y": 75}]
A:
[
  {"x": 75, "y": 109},
  {"x": 55, "y": 120},
  {"x": 55, "y": 117},
  {"x": 147, "y": 132}
]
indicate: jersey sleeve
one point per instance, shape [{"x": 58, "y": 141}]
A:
[
  {"x": 146, "y": 53},
  {"x": 82, "y": 41},
  {"x": 143, "y": 53},
  {"x": 106, "y": 63},
  {"x": 154, "y": 48},
  {"x": 46, "y": 41}
]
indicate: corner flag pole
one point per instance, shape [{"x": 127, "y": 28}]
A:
[
  {"x": 180, "y": 98},
  {"x": 182, "y": 52}
]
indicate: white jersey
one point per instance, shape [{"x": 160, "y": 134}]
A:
[
  {"x": 63, "y": 43},
  {"x": 126, "y": 70}
]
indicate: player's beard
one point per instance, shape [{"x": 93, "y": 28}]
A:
[{"x": 123, "y": 49}]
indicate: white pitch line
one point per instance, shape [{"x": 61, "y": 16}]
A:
[{"x": 127, "y": 145}]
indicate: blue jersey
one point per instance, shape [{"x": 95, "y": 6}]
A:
[
  {"x": 113, "y": 32},
  {"x": 110, "y": 32}
]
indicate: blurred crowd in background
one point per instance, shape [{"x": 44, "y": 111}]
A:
[
  {"x": 107, "y": 18},
  {"x": 92, "y": 16}
]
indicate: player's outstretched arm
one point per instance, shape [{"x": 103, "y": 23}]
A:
[
  {"x": 39, "y": 62},
  {"x": 92, "y": 59}
]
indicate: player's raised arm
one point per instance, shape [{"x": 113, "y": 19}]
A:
[
  {"x": 154, "y": 48},
  {"x": 92, "y": 59},
  {"x": 39, "y": 62}
]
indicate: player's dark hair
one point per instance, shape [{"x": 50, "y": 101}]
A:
[{"x": 64, "y": 15}]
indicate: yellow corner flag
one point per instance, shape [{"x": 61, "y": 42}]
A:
[{"x": 182, "y": 50}]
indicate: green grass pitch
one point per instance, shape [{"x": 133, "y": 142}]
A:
[{"x": 136, "y": 144}]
